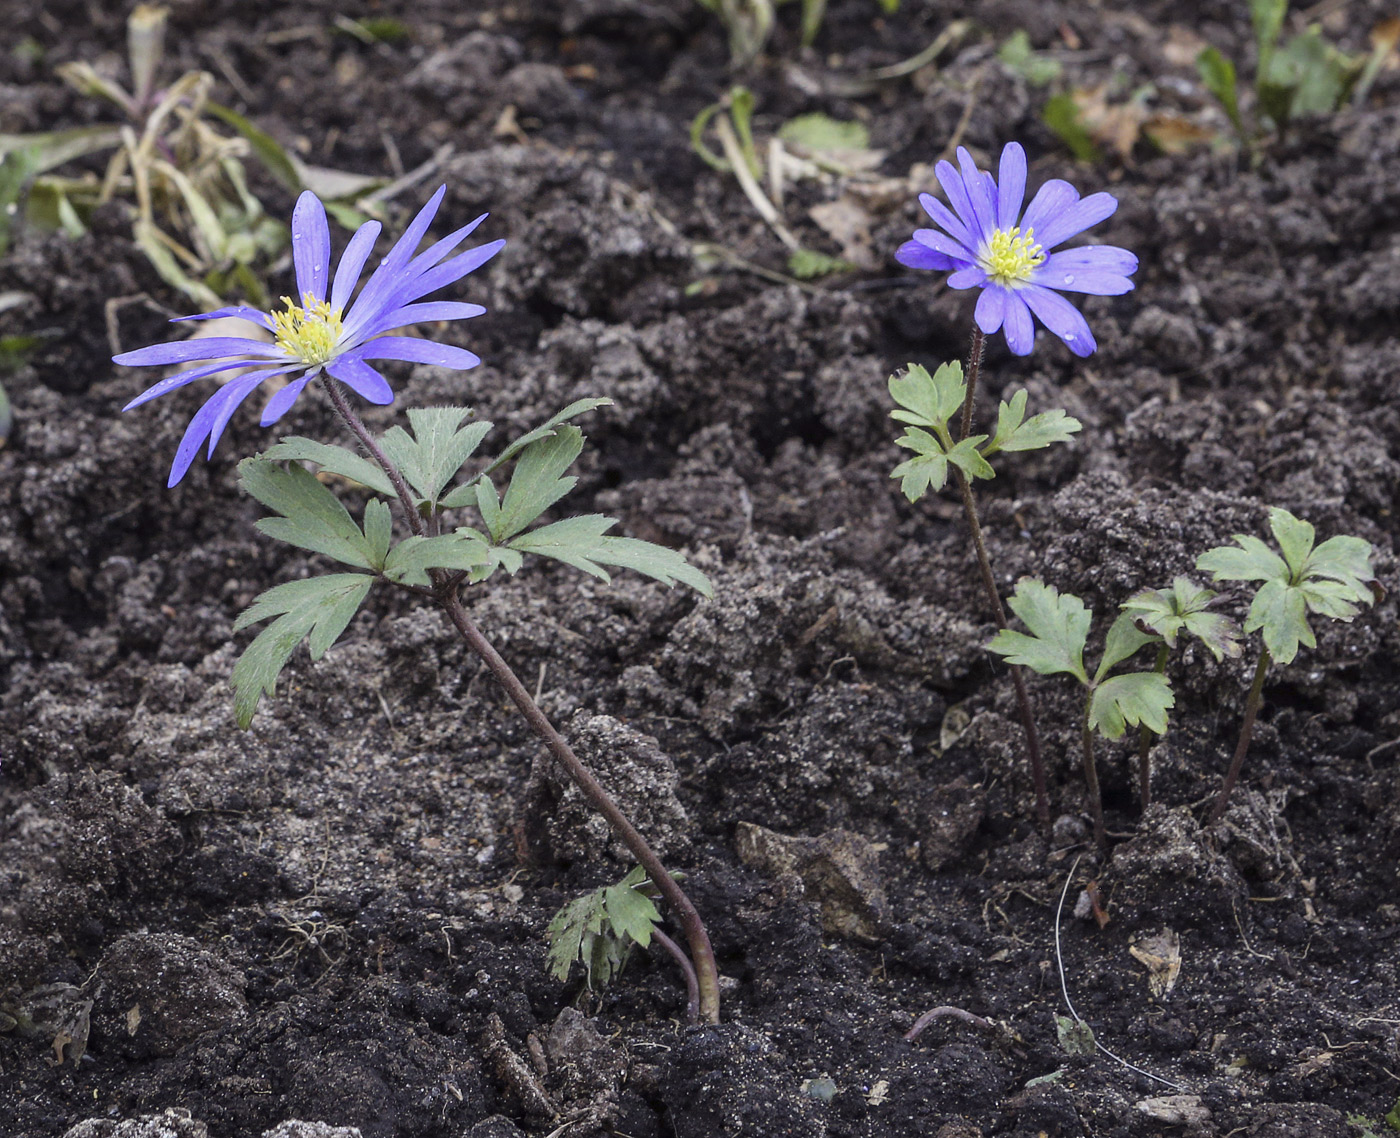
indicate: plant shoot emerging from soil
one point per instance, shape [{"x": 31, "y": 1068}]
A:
[
  {"x": 1329, "y": 580},
  {"x": 327, "y": 337}
]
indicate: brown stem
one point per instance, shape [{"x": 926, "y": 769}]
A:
[
  {"x": 1145, "y": 743},
  {"x": 974, "y": 370},
  {"x": 445, "y": 592},
  {"x": 700, "y": 951},
  {"x": 946, "y": 1012},
  {"x": 692, "y": 984},
  {"x": 1091, "y": 775},
  {"x": 1023, "y": 699},
  {"x": 1251, "y": 709}
]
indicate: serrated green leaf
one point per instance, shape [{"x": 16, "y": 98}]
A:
[
  {"x": 379, "y": 528},
  {"x": 929, "y": 400},
  {"x": 318, "y": 606},
  {"x": 432, "y": 455},
  {"x": 1059, "y": 627},
  {"x": 1183, "y": 606},
  {"x": 1344, "y": 559},
  {"x": 817, "y": 132},
  {"x": 537, "y": 482},
  {"x": 1280, "y": 610},
  {"x": 600, "y": 928},
  {"x": 566, "y": 931},
  {"x": 409, "y": 561},
  {"x": 583, "y": 542},
  {"x": 1252, "y": 561},
  {"x": 969, "y": 460},
  {"x": 1218, "y": 75},
  {"x": 1329, "y": 598},
  {"x": 314, "y": 518},
  {"x": 572, "y": 411},
  {"x": 1039, "y": 431},
  {"x": 1136, "y": 698},
  {"x": 1123, "y": 640},
  {"x": 1294, "y": 537},
  {"x": 334, "y": 459},
  {"x": 630, "y": 913},
  {"x": 928, "y": 469}
]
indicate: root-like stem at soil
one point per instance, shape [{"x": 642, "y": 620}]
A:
[
  {"x": 1091, "y": 776},
  {"x": 1145, "y": 741},
  {"x": 1251, "y": 710},
  {"x": 989, "y": 586},
  {"x": 705, "y": 993}
]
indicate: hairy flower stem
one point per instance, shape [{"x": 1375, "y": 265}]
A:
[
  {"x": 989, "y": 583},
  {"x": 1145, "y": 742},
  {"x": 1251, "y": 709},
  {"x": 446, "y": 595},
  {"x": 1023, "y": 699},
  {"x": 1091, "y": 776}
]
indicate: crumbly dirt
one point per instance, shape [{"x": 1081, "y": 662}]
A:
[{"x": 336, "y": 919}]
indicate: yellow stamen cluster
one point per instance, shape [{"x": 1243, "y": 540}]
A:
[
  {"x": 309, "y": 332},
  {"x": 1009, "y": 257}
]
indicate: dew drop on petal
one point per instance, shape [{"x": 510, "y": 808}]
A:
[
  {"x": 1069, "y": 278},
  {"x": 1068, "y": 337}
]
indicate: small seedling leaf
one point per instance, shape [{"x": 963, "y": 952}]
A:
[
  {"x": 928, "y": 469},
  {"x": 1059, "y": 626},
  {"x": 1294, "y": 537},
  {"x": 1184, "y": 606},
  {"x": 1218, "y": 74},
  {"x": 1280, "y": 611},
  {"x": 1252, "y": 561},
  {"x": 1123, "y": 640},
  {"x": 1135, "y": 698},
  {"x": 1075, "y": 1036},
  {"x": 320, "y": 607}
]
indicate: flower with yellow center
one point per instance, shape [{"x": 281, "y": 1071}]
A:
[
  {"x": 309, "y": 332},
  {"x": 985, "y": 241}
]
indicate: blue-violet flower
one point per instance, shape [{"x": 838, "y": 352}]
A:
[
  {"x": 985, "y": 246},
  {"x": 319, "y": 333}
]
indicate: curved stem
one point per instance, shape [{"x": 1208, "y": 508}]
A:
[
  {"x": 1145, "y": 742},
  {"x": 1091, "y": 775},
  {"x": 946, "y": 1012},
  {"x": 692, "y": 984},
  {"x": 1023, "y": 699},
  {"x": 445, "y": 593},
  {"x": 1251, "y": 709}
]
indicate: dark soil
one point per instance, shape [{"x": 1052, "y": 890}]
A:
[{"x": 339, "y": 916}]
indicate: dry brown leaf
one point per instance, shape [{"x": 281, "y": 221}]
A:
[
  {"x": 848, "y": 222},
  {"x": 1161, "y": 954}
]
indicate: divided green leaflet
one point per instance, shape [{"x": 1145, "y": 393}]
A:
[{"x": 314, "y": 517}]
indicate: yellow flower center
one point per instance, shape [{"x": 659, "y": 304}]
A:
[
  {"x": 309, "y": 332},
  {"x": 1009, "y": 257}
]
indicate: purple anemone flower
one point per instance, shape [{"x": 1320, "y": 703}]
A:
[
  {"x": 320, "y": 333},
  {"x": 984, "y": 245}
]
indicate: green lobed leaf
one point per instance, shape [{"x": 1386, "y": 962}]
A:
[
  {"x": 1346, "y": 560},
  {"x": 1124, "y": 639},
  {"x": 432, "y": 455},
  {"x": 969, "y": 460},
  {"x": 1059, "y": 627},
  {"x": 409, "y": 561},
  {"x": 583, "y": 542},
  {"x": 928, "y": 469},
  {"x": 600, "y": 928},
  {"x": 379, "y": 529},
  {"x": 929, "y": 400},
  {"x": 1132, "y": 699},
  {"x": 1329, "y": 598},
  {"x": 572, "y": 411},
  {"x": 537, "y": 482},
  {"x": 314, "y": 517},
  {"x": 630, "y": 912},
  {"x": 1280, "y": 611},
  {"x": 1267, "y": 17},
  {"x": 1015, "y": 433},
  {"x": 1252, "y": 561},
  {"x": 1294, "y": 537},
  {"x": 1168, "y": 612},
  {"x": 335, "y": 459},
  {"x": 317, "y": 606}
]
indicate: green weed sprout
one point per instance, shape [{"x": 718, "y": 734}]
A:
[
  {"x": 1304, "y": 75},
  {"x": 1059, "y": 630},
  {"x": 1331, "y": 580}
]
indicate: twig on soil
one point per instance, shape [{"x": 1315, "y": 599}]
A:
[
  {"x": 1064, "y": 991},
  {"x": 946, "y": 1012}
]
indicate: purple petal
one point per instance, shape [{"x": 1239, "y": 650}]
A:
[
  {"x": 415, "y": 351},
  {"x": 389, "y": 273},
  {"x": 203, "y": 348},
  {"x": 173, "y": 382},
  {"x": 242, "y": 311},
  {"x": 352, "y": 263},
  {"x": 942, "y": 243},
  {"x": 917, "y": 255},
  {"x": 216, "y": 410},
  {"x": 422, "y": 314},
  {"x": 991, "y": 309},
  {"x": 1049, "y": 201},
  {"x": 1016, "y": 324},
  {"x": 968, "y": 276},
  {"x": 1061, "y": 317},
  {"x": 311, "y": 247},
  {"x": 281, "y": 401},
  {"x": 363, "y": 379},
  {"x": 242, "y": 387},
  {"x": 1101, "y": 270},
  {"x": 947, "y": 219},
  {"x": 1074, "y": 219},
  {"x": 1012, "y": 189},
  {"x": 448, "y": 272},
  {"x": 435, "y": 253},
  {"x": 980, "y": 195},
  {"x": 952, "y": 183}
]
